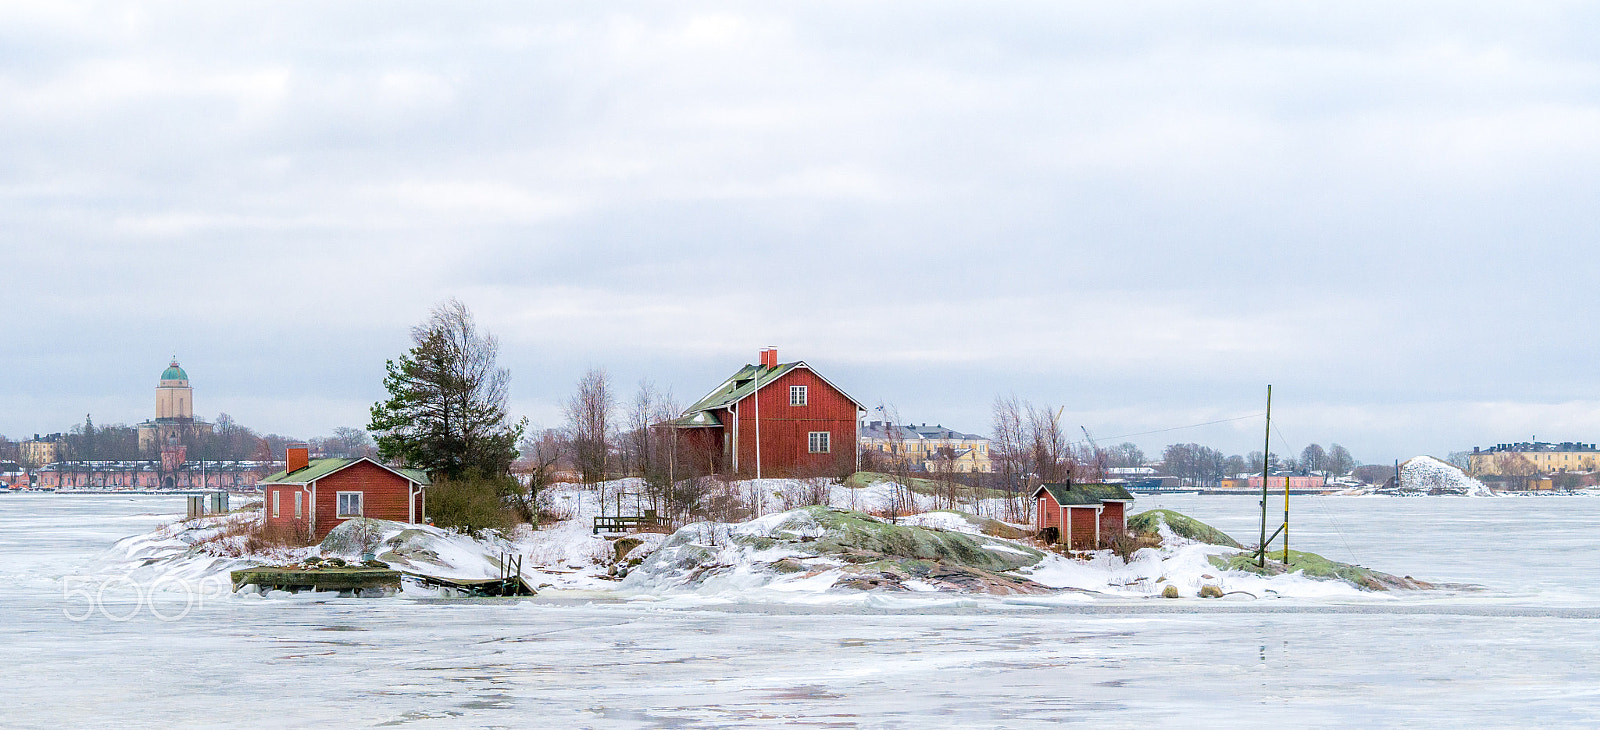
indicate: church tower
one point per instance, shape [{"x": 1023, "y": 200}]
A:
[
  {"x": 174, "y": 422},
  {"x": 174, "y": 397}
]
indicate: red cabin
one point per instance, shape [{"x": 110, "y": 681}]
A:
[
  {"x": 772, "y": 419},
  {"x": 1081, "y": 516},
  {"x": 316, "y": 496}
]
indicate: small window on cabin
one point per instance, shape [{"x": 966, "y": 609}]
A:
[
  {"x": 817, "y": 442},
  {"x": 349, "y": 504},
  {"x": 797, "y": 395},
  {"x": 297, "y": 495},
  {"x": 275, "y": 494}
]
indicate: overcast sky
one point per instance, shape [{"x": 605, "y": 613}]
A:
[{"x": 1144, "y": 212}]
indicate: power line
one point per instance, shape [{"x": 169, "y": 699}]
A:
[{"x": 1180, "y": 428}]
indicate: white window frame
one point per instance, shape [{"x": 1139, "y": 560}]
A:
[
  {"x": 361, "y": 504},
  {"x": 299, "y": 497},
  {"x": 816, "y": 445},
  {"x": 799, "y": 395},
  {"x": 275, "y": 494}
]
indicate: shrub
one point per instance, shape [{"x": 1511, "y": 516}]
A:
[
  {"x": 1169, "y": 592},
  {"x": 1126, "y": 545},
  {"x": 265, "y": 538},
  {"x": 549, "y": 510},
  {"x": 472, "y": 503}
]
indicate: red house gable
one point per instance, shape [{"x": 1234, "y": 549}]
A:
[
  {"x": 317, "y": 496},
  {"x": 773, "y": 419}
]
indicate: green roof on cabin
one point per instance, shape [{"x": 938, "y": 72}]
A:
[
  {"x": 698, "y": 419},
  {"x": 319, "y": 468},
  {"x": 733, "y": 389},
  {"x": 1069, "y": 493}
]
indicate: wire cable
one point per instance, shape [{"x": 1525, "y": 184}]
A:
[{"x": 1174, "y": 428}]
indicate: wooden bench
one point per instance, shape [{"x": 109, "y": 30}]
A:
[{"x": 624, "y": 523}]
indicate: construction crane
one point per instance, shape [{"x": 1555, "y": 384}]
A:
[
  {"x": 1099, "y": 456},
  {"x": 1092, "y": 444}
]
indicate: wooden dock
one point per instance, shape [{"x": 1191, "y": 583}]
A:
[
  {"x": 358, "y": 582},
  {"x": 363, "y": 582}
]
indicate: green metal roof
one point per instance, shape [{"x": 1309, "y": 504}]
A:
[
  {"x": 742, "y": 383},
  {"x": 319, "y": 468},
  {"x": 701, "y": 419},
  {"x": 1085, "y": 493},
  {"x": 173, "y": 372}
]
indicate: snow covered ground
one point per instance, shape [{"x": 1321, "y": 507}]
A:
[
  {"x": 567, "y": 557},
  {"x": 77, "y": 649}
]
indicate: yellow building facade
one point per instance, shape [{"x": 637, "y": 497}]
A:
[
  {"x": 931, "y": 448},
  {"x": 1529, "y": 458}
]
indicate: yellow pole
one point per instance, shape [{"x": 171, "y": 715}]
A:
[{"x": 1286, "y": 520}]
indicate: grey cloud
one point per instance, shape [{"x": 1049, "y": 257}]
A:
[{"x": 1144, "y": 212}]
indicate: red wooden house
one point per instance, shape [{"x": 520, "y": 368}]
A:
[
  {"x": 1082, "y": 516},
  {"x": 773, "y": 419},
  {"x": 316, "y": 496}
]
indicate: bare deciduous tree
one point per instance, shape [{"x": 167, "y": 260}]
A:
[
  {"x": 1314, "y": 458},
  {"x": 540, "y": 454},
  {"x": 1006, "y": 454},
  {"x": 901, "y": 498},
  {"x": 1340, "y": 462},
  {"x": 1126, "y": 454},
  {"x": 589, "y": 425},
  {"x": 1194, "y": 464},
  {"x": 1048, "y": 456}
]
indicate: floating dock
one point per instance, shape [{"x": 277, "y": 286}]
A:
[
  {"x": 357, "y": 582},
  {"x": 376, "y": 582}
]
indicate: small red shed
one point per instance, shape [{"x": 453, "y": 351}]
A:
[
  {"x": 1083, "y": 516},
  {"x": 773, "y": 419},
  {"x": 316, "y": 496}
]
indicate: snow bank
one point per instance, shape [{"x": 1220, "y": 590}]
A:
[
  {"x": 195, "y": 552},
  {"x": 1427, "y": 474}
]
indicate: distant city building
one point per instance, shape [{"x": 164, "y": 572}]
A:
[
  {"x": 164, "y": 439},
  {"x": 12, "y": 475},
  {"x": 1314, "y": 481},
  {"x": 174, "y": 422},
  {"x": 39, "y": 450},
  {"x": 153, "y": 474},
  {"x": 925, "y": 446},
  {"x": 1533, "y": 457},
  {"x": 1131, "y": 472}
]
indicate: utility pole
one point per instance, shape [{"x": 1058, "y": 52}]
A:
[{"x": 1266, "y": 462}]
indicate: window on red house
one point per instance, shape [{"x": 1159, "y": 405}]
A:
[
  {"x": 349, "y": 504},
  {"x": 817, "y": 442}
]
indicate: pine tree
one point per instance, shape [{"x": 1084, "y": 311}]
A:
[{"x": 446, "y": 411}]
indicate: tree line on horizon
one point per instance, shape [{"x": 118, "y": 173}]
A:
[{"x": 229, "y": 440}]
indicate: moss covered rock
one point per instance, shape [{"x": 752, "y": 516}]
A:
[
  {"x": 1313, "y": 565},
  {"x": 870, "y": 554},
  {"x": 1148, "y": 524}
]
